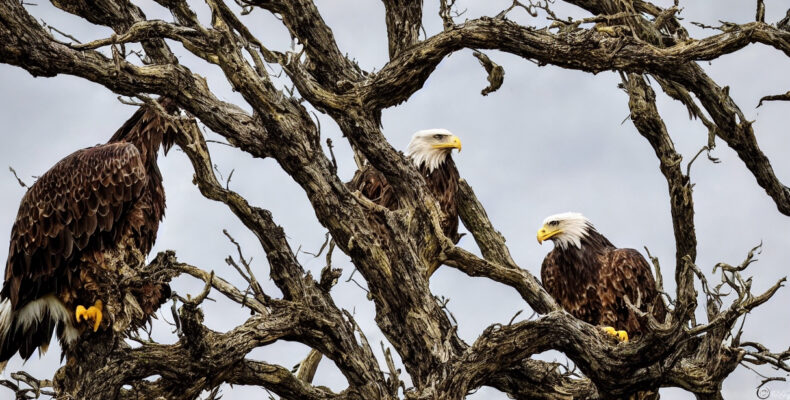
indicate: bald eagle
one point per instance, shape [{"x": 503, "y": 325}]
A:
[
  {"x": 75, "y": 230},
  {"x": 590, "y": 278},
  {"x": 429, "y": 150}
]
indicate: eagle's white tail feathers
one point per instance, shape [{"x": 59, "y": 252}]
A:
[
  {"x": 32, "y": 313},
  {"x": 6, "y": 318}
]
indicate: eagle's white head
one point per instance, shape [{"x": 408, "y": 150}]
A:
[
  {"x": 565, "y": 229},
  {"x": 432, "y": 147}
]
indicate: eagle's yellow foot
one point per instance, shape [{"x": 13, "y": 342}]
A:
[
  {"x": 92, "y": 313},
  {"x": 619, "y": 335}
]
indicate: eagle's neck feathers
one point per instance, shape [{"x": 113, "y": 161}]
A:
[
  {"x": 574, "y": 231},
  {"x": 147, "y": 130},
  {"x": 583, "y": 238},
  {"x": 426, "y": 158},
  {"x": 584, "y": 257}
]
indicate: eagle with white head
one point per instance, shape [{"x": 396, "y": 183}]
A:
[
  {"x": 430, "y": 151},
  {"x": 591, "y": 278}
]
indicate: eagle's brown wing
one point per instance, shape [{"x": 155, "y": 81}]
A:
[
  {"x": 576, "y": 291},
  {"x": 74, "y": 207},
  {"x": 625, "y": 272},
  {"x": 442, "y": 182},
  {"x": 372, "y": 184}
]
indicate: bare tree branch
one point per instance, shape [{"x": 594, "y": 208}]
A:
[
  {"x": 496, "y": 74},
  {"x": 782, "y": 97},
  {"x": 391, "y": 249},
  {"x": 404, "y": 20}
]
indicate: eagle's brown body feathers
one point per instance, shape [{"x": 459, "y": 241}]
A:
[
  {"x": 591, "y": 283},
  {"x": 430, "y": 151},
  {"x": 73, "y": 228},
  {"x": 442, "y": 183}
]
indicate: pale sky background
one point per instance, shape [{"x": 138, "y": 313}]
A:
[{"x": 550, "y": 140}]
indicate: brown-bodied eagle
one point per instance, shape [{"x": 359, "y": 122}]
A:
[
  {"x": 91, "y": 209},
  {"x": 590, "y": 278},
  {"x": 430, "y": 151}
]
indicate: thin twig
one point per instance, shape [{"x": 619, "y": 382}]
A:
[
  {"x": 13, "y": 171},
  {"x": 203, "y": 294},
  {"x": 332, "y": 154},
  {"x": 317, "y": 254},
  {"x": 776, "y": 97},
  {"x": 514, "y": 317},
  {"x": 64, "y": 34}
]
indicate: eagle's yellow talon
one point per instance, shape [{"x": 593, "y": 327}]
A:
[
  {"x": 619, "y": 335},
  {"x": 80, "y": 313},
  {"x": 92, "y": 313}
]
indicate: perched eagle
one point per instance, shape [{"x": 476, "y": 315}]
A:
[
  {"x": 430, "y": 151},
  {"x": 77, "y": 228},
  {"x": 591, "y": 278}
]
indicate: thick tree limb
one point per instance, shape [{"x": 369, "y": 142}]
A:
[
  {"x": 581, "y": 49},
  {"x": 475, "y": 219},
  {"x": 282, "y": 382},
  {"x": 645, "y": 116},
  {"x": 391, "y": 249},
  {"x": 545, "y": 381},
  {"x": 404, "y": 20},
  {"x": 285, "y": 269},
  {"x": 303, "y": 20}
]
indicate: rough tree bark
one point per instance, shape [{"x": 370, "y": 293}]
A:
[{"x": 634, "y": 37}]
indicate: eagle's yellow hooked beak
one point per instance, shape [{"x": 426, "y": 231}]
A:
[
  {"x": 547, "y": 232},
  {"x": 452, "y": 143}
]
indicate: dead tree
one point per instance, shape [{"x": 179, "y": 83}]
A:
[{"x": 636, "y": 38}]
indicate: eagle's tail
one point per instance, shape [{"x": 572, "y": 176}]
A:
[
  {"x": 31, "y": 327},
  {"x": 6, "y": 320}
]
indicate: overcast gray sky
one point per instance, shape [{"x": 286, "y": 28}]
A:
[{"x": 550, "y": 140}]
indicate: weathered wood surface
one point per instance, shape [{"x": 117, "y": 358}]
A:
[{"x": 636, "y": 38}]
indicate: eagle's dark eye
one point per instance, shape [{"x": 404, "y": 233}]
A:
[
  {"x": 553, "y": 223},
  {"x": 438, "y": 137}
]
